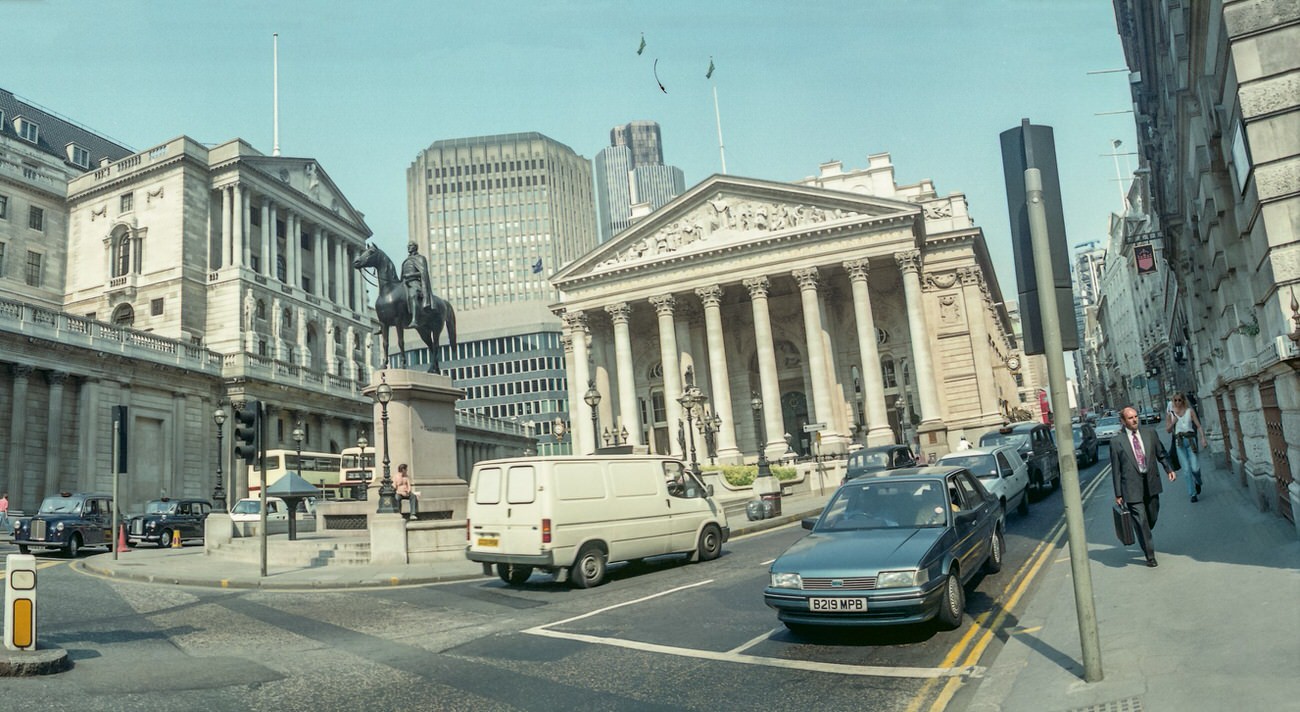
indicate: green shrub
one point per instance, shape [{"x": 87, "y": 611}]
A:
[{"x": 743, "y": 475}]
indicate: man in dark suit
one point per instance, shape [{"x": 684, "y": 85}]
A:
[{"x": 1135, "y": 456}]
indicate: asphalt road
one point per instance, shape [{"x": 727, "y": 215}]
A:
[{"x": 663, "y": 635}]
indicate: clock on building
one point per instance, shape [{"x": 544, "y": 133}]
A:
[{"x": 1013, "y": 362}]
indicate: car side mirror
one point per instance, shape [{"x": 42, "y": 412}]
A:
[
  {"x": 708, "y": 489},
  {"x": 964, "y": 517},
  {"x": 808, "y": 522}
]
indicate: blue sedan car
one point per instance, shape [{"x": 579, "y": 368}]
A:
[{"x": 890, "y": 550}]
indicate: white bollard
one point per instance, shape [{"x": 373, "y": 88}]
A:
[{"x": 20, "y": 602}]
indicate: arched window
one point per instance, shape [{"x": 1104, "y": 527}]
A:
[
  {"x": 124, "y": 315},
  {"x": 281, "y": 269},
  {"x": 287, "y": 318},
  {"x": 122, "y": 254},
  {"x": 887, "y": 372}
]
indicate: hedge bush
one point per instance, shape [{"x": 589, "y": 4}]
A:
[{"x": 743, "y": 475}]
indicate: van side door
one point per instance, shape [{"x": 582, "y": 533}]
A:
[{"x": 687, "y": 506}]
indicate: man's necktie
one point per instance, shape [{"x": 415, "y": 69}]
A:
[{"x": 1137, "y": 452}]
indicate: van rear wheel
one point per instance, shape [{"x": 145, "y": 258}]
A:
[
  {"x": 588, "y": 569},
  {"x": 710, "y": 546},
  {"x": 514, "y": 574}
]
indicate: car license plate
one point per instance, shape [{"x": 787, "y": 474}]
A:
[
  {"x": 484, "y": 541},
  {"x": 835, "y": 605}
]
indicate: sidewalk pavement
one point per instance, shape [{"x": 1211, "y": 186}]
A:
[
  {"x": 191, "y": 566},
  {"x": 1215, "y": 627}
]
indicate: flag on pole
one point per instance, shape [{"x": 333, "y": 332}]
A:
[
  {"x": 641, "y": 49},
  {"x": 709, "y": 74},
  {"x": 537, "y": 266}
]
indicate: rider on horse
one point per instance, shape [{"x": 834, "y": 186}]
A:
[{"x": 415, "y": 275}]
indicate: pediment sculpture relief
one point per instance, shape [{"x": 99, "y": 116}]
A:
[{"x": 721, "y": 216}]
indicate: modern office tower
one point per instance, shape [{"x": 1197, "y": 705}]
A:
[
  {"x": 632, "y": 171},
  {"x": 496, "y": 215}
]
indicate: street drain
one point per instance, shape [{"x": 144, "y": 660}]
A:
[{"x": 1128, "y": 704}]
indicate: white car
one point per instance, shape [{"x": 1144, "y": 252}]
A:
[
  {"x": 249, "y": 510},
  {"x": 1000, "y": 469},
  {"x": 1107, "y": 428}
]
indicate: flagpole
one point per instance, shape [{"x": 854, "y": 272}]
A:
[{"x": 722, "y": 151}]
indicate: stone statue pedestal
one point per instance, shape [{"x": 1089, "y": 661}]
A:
[{"x": 422, "y": 434}]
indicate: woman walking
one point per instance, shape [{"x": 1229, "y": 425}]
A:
[{"x": 1181, "y": 420}]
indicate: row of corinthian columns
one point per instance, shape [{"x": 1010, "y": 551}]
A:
[
  {"x": 818, "y": 344},
  {"x": 340, "y": 285}
]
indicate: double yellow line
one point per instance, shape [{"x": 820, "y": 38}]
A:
[{"x": 988, "y": 623}]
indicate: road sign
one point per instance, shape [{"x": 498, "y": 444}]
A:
[{"x": 814, "y": 427}]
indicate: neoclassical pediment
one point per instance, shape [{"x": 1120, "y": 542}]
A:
[
  {"x": 724, "y": 212},
  {"x": 305, "y": 176}
]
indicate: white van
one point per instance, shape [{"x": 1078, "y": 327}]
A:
[{"x": 570, "y": 516}]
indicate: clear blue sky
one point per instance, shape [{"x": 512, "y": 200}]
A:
[{"x": 366, "y": 85}]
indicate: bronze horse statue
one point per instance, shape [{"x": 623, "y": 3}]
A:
[{"x": 392, "y": 310}]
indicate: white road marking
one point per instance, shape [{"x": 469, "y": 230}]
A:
[
  {"x": 734, "y": 656},
  {"x": 755, "y": 641},
  {"x": 767, "y": 563}
]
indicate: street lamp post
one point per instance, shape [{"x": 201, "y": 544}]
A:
[
  {"x": 387, "y": 495},
  {"x": 756, "y": 404},
  {"x": 592, "y": 399},
  {"x": 709, "y": 425},
  {"x": 298, "y": 436},
  {"x": 902, "y": 413},
  {"x": 362, "y": 491},
  {"x": 218, "y": 492},
  {"x": 691, "y": 399}
]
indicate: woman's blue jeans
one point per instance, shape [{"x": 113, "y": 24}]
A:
[{"x": 1190, "y": 461}]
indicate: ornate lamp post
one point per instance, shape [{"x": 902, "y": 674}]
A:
[
  {"x": 592, "y": 399},
  {"x": 902, "y": 413},
  {"x": 756, "y": 404},
  {"x": 709, "y": 425},
  {"x": 691, "y": 399},
  {"x": 387, "y": 495},
  {"x": 298, "y": 435},
  {"x": 363, "y": 489},
  {"x": 218, "y": 492}
]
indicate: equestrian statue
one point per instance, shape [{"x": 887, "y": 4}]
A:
[{"x": 406, "y": 301}]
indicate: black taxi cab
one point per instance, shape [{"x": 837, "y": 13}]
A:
[
  {"x": 67, "y": 521},
  {"x": 165, "y": 517}
]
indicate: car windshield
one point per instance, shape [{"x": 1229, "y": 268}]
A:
[
  {"x": 245, "y": 506},
  {"x": 159, "y": 507},
  {"x": 1108, "y": 421},
  {"x": 872, "y": 460},
  {"x": 996, "y": 438},
  {"x": 60, "y": 505},
  {"x": 979, "y": 465},
  {"x": 883, "y": 504}
]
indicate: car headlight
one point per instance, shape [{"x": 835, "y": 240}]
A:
[
  {"x": 902, "y": 579},
  {"x": 58, "y": 527},
  {"x": 151, "y": 525},
  {"x": 786, "y": 580}
]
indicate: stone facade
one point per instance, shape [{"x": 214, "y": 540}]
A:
[{"x": 826, "y": 302}]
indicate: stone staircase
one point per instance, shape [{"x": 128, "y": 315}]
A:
[{"x": 305, "y": 553}]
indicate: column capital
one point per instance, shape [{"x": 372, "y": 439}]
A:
[
  {"x": 576, "y": 320},
  {"x": 22, "y": 370},
  {"x": 970, "y": 276},
  {"x": 909, "y": 261},
  {"x": 757, "y": 286},
  {"x": 858, "y": 269},
  {"x": 56, "y": 378},
  {"x": 619, "y": 313},
  {"x": 710, "y": 296},
  {"x": 807, "y": 278},
  {"x": 664, "y": 304},
  {"x": 567, "y": 342}
]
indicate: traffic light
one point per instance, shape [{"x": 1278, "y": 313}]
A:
[{"x": 248, "y": 426}]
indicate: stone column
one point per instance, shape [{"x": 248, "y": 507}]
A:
[
  {"x": 341, "y": 267},
  {"x": 88, "y": 440},
  {"x": 976, "y": 319},
  {"x": 264, "y": 266},
  {"x": 808, "y": 280},
  {"x": 627, "y": 412},
  {"x": 54, "y": 435},
  {"x": 319, "y": 247},
  {"x": 357, "y": 299},
  {"x": 664, "y": 305},
  {"x": 773, "y": 435},
  {"x": 580, "y": 373},
  {"x": 227, "y": 238},
  {"x": 18, "y": 437},
  {"x": 291, "y": 248},
  {"x": 873, "y": 385},
  {"x": 273, "y": 258},
  {"x": 909, "y": 262},
  {"x": 238, "y": 249},
  {"x": 719, "y": 374}
]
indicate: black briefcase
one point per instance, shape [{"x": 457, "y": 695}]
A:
[{"x": 1123, "y": 524}]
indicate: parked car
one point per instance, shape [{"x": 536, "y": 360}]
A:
[
  {"x": 67, "y": 521},
  {"x": 890, "y": 550},
  {"x": 249, "y": 510},
  {"x": 163, "y": 516},
  {"x": 1000, "y": 470},
  {"x": 1085, "y": 444},
  {"x": 1036, "y": 446},
  {"x": 1108, "y": 427},
  {"x": 1149, "y": 416},
  {"x": 877, "y": 458}
]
